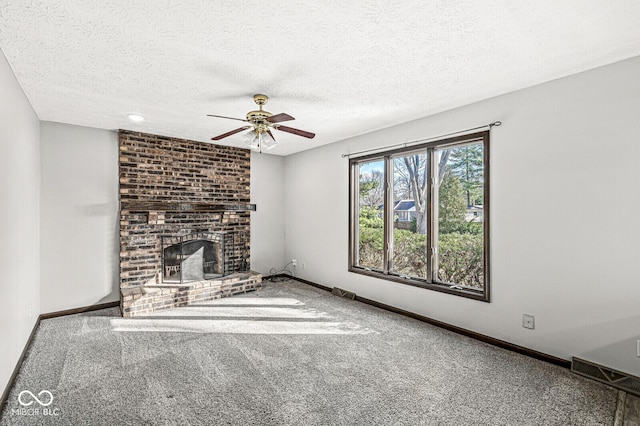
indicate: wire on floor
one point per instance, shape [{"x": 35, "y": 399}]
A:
[{"x": 273, "y": 273}]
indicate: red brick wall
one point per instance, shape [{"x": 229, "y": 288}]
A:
[{"x": 158, "y": 168}]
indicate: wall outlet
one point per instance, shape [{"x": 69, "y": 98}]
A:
[
  {"x": 304, "y": 265},
  {"x": 528, "y": 321},
  {"x": 294, "y": 262}
]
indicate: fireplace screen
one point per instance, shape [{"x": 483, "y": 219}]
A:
[{"x": 197, "y": 256}]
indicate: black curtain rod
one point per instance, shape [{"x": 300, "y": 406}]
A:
[{"x": 406, "y": 144}]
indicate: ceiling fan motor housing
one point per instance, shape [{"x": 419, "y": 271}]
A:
[{"x": 258, "y": 118}]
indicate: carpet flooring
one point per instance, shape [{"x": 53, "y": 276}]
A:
[{"x": 288, "y": 354}]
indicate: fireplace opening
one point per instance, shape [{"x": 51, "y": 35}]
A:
[{"x": 197, "y": 256}]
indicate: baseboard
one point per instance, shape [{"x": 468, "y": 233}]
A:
[
  {"x": 311, "y": 283},
  {"x": 302, "y": 280},
  {"x": 478, "y": 336},
  {"x": 16, "y": 370},
  {"x": 481, "y": 337},
  {"x": 80, "y": 310}
]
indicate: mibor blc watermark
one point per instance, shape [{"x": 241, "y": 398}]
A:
[{"x": 35, "y": 405}]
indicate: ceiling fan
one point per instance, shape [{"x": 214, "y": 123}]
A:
[{"x": 260, "y": 123}]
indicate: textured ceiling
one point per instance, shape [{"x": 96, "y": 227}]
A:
[{"x": 341, "y": 68}]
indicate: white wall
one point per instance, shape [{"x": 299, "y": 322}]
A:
[
  {"x": 267, "y": 222},
  {"x": 564, "y": 205},
  {"x": 19, "y": 220},
  {"x": 79, "y": 217}
]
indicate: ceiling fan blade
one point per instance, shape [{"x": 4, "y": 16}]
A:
[
  {"x": 271, "y": 134},
  {"x": 278, "y": 118},
  {"x": 296, "y": 131},
  {"x": 233, "y": 132},
  {"x": 228, "y": 118}
]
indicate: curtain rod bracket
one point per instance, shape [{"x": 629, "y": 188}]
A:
[{"x": 406, "y": 144}]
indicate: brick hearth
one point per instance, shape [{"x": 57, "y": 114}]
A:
[{"x": 145, "y": 299}]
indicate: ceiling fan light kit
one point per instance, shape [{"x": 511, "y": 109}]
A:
[
  {"x": 261, "y": 122},
  {"x": 258, "y": 140}
]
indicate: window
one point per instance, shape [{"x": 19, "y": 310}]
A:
[{"x": 419, "y": 215}]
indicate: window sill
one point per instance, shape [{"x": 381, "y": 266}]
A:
[{"x": 443, "y": 288}]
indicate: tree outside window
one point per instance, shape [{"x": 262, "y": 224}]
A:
[{"x": 426, "y": 225}]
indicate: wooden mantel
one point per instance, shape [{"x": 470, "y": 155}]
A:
[{"x": 168, "y": 206}]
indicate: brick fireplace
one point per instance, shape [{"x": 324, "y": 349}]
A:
[{"x": 176, "y": 192}]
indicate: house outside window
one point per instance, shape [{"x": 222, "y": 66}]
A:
[{"x": 419, "y": 215}]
